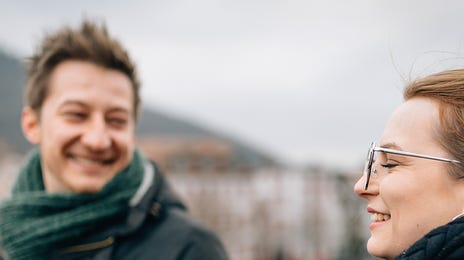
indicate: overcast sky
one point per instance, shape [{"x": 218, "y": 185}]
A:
[{"x": 306, "y": 81}]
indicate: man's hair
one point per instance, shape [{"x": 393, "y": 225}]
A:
[
  {"x": 447, "y": 88},
  {"x": 90, "y": 42}
]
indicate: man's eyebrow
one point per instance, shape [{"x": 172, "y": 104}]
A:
[
  {"x": 73, "y": 102},
  {"x": 83, "y": 104},
  {"x": 119, "y": 110}
]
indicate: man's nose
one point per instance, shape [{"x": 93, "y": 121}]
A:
[{"x": 96, "y": 135}]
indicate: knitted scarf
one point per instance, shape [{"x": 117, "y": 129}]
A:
[{"x": 34, "y": 223}]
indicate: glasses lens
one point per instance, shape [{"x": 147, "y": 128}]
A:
[{"x": 368, "y": 165}]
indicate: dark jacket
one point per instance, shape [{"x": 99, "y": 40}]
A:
[
  {"x": 445, "y": 242},
  {"x": 157, "y": 227}
]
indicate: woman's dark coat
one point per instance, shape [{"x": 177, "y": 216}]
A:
[{"x": 445, "y": 242}]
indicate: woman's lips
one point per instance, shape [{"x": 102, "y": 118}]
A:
[{"x": 377, "y": 218}]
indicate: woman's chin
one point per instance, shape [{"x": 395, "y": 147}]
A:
[{"x": 380, "y": 249}]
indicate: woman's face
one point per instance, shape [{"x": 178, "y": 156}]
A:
[{"x": 410, "y": 196}]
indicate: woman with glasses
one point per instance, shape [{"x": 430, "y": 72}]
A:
[{"x": 413, "y": 180}]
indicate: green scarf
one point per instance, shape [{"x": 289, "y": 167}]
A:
[{"x": 34, "y": 224}]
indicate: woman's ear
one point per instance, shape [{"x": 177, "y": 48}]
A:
[{"x": 30, "y": 124}]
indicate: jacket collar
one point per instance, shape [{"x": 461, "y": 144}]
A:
[{"x": 153, "y": 196}]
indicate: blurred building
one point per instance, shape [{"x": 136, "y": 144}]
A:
[{"x": 277, "y": 213}]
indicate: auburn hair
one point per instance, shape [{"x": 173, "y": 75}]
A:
[{"x": 447, "y": 88}]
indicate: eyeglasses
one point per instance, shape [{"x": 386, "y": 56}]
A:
[{"x": 373, "y": 148}]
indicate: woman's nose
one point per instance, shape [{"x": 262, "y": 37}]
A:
[{"x": 360, "y": 186}]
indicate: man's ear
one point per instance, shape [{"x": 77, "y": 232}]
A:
[{"x": 30, "y": 123}]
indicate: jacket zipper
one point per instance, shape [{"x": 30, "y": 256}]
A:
[{"x": 90, "y": 246}]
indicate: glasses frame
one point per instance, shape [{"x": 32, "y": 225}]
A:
[{"x": 373, "y": 148}]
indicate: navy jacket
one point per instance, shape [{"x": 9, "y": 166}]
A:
[{"x": 445, "y": 242}]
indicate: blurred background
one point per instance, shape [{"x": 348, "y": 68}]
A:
[{"x": 259, "y": 112}]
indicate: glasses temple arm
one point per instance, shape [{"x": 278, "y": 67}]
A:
[{"x": 392, "y": 151}]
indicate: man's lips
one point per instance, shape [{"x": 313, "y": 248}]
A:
[
  {"x": 91, "y": 160},
  {"x": 92, "y": 157}
]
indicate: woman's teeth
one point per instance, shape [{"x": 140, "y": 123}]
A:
[{"x": 377, "y": 217}]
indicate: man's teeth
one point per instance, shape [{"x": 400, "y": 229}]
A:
[
  {"x": 376, "y": 217},
  {"x": 88, "y": 162}
]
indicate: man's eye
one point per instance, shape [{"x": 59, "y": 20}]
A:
[
  {"x": 75, "y": 115},
  {"x": 117, "y": 121}
]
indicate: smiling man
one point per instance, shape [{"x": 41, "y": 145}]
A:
[{"x": 85, "y": 191}]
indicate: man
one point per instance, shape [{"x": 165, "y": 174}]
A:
[{"x": 86, "y": 192}]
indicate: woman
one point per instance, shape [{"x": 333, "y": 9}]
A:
[{"x": 413, "y": 180}]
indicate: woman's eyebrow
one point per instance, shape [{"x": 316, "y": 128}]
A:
[{"x": 392, "y": 145}]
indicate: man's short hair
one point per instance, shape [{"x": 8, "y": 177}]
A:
[{"x": 90, "y": 42}]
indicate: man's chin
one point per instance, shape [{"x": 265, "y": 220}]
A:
[{"x": 88, "y": 187}]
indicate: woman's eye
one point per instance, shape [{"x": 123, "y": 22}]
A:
[{"x": 389, "y": 165}]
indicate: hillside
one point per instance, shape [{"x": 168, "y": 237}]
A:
[
  {"x": 11, "y": 81},
  {"x": 151, "y": 122}
]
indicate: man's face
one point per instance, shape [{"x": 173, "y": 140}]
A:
[{"x": 85, "y": 129}]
